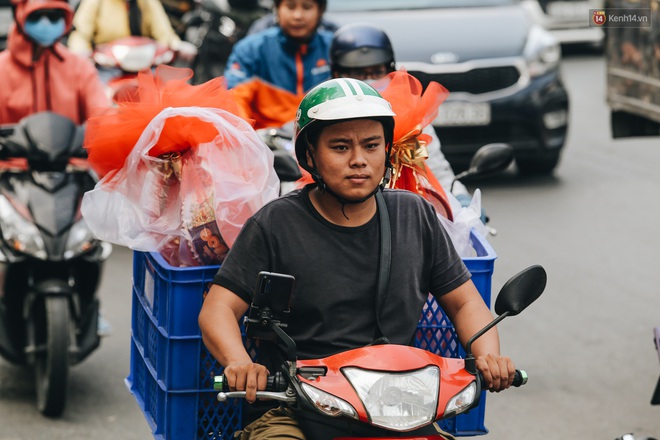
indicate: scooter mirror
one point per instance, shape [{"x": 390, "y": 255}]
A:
[
  {"x": 286, "y": 166},
  {"x": 521, "y": 290},
  {"x": 491, "y": 158},
  {"x": 77, "y": 149}
]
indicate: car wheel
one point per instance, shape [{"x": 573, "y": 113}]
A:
[{"x": 542, "y": 164}]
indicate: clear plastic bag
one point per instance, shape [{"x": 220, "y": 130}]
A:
[
  {"x": 188, "y": 206},
  {"x": 465, "y": 219}
]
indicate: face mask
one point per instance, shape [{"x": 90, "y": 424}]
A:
[{"x": 44, "y": 32}]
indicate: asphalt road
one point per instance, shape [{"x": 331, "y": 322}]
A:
[{"x": 586, "y": 343}]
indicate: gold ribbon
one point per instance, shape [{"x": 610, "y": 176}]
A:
[{"x": 409, "y": 152}]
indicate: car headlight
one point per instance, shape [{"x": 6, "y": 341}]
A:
[
  {"x": 327, "y": 403},
  {"x": 462, "y": 401},
  {"x": 19, "y": 233},
  {"x": 397, "y": 401},
  {"x": 542, "y": 51},
  {"x": 80, "y": 240}
]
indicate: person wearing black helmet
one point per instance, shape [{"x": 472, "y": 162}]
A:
[
  {"x": 328, "y": 236},
  {"x": 363, "y": 51}
]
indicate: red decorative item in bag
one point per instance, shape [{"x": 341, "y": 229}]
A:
[{"x": 182, "y": 171}]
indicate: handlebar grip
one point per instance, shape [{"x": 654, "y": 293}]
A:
[
  {"x": 276, "y": 383},
  {"x": 220, "y": 383},
  {"x": 520, "y": 378}
]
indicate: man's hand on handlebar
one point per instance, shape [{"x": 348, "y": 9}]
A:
[
  {"x": 248, "y": 377},
  {"x": 497, "y": 371}
]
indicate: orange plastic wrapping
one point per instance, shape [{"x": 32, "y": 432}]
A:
[{"x": 111, "y": 136}]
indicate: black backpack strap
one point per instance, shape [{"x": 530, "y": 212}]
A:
[{"x": 385, "y": 256}]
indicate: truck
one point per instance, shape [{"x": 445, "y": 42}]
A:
[{"x": 632, "y": 59}]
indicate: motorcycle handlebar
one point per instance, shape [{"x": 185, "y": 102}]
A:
[
  {"x": 276, "y": 383},
  {"x": 519, "y": 379}
]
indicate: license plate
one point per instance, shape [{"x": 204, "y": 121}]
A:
[
  {"x": 452, "y": 114},
  {"x": 569, "y": 10}
]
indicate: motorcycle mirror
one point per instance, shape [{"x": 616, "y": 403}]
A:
[
  {"x": 489, "y": 159},
  {"x": 286, "y": 166},
  {"x": 520, "y": 291},
  {"x": 77, "y": 149},
  {"x": 492, "y": 158}
]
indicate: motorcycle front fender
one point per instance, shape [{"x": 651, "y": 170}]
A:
[{"x": 45, "y": 288}]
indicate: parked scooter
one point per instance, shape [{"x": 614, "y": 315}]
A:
[
  {"x": 214, "y": 26},
  {"x": 120, "y": 61},
  {"x": 379, "y": 391},
  {"x": 50, "y": 263}
]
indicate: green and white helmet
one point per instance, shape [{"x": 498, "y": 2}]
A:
[{"x": 335, "y": 100}]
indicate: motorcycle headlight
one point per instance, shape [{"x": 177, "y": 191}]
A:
[
  {"x": 542, "y": 51},
  {"x": 397, "y": 401},
  {"x": 80, "y": 240},
  {"x": 462, "y": 401},
  {"x": 327, "y": 403},
  {"x": 134, "y": 58},
  {"x": 20, "y": 234}
]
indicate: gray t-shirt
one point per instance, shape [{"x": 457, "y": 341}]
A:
[{"x": 336, "y": 269}]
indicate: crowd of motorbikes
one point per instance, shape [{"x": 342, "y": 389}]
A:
[{"x": 50, "y": 262}]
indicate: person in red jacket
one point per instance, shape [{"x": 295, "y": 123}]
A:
[{"x": 41, "y": 74}]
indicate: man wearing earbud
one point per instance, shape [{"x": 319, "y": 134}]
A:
[{"x": 41, "y": 74}]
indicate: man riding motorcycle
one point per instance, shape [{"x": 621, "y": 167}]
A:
[{"x": 327, "y": 236}]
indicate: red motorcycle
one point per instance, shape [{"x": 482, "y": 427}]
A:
[
  {"x": 120, "y": 61},
  {"x": 380, "y": 391}
]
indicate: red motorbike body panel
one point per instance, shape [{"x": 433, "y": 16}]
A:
[{"x": 392, "y": 358}]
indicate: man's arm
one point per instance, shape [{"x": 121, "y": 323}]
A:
[
  {"x": 469, "y": 314},
  {"x": 218, "y": 322}
]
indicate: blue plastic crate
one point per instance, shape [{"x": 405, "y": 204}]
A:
[{"x": 171, "y": 372}]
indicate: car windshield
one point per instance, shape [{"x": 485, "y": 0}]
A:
[{"x": 381, "y": 5}]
